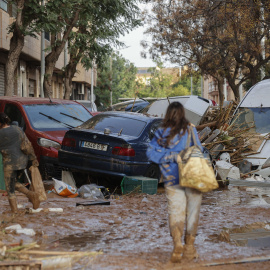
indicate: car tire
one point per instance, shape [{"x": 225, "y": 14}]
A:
[{"x": 153, "y": 171}]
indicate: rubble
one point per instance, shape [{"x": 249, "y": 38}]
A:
[{"x": 220, "y": 133}]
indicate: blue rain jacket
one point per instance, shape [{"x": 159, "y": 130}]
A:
[{"x": 166, "y": 157}]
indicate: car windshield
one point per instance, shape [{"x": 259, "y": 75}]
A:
[
  {"x": 55, "y": 116},
  {"x": 258, "y": 119},
  {"x": 116, "y": 124}
]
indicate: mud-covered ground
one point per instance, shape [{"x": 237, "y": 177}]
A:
[{"x": 133, "y": 233}]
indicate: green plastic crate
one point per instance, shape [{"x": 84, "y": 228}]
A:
[{"x": 139, "y": 184}]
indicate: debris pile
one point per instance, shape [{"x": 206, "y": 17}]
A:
[
  {"x": 29, "y": 256},
  {"x": 221, "y": 133}
]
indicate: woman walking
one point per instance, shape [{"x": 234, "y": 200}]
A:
[
  {"x": 16, "y": 151},
  {"x": 183, "y": 203}
]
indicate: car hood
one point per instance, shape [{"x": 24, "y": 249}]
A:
[{"x": 55, "y": 135}]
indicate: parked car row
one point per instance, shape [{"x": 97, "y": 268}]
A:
[
  {"x": 45, "y": 122},
  {"x": 65, "y": 135}
]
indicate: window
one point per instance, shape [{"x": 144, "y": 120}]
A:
[
  {"x": 116, "y": 124},
  {"x": 47, "y": 36},
  {"x": 55, "y": 116},
  {"x": 4, "y": 5},
  {"x": 257, "y": 119},
  {"x": 15, "y": 115}
]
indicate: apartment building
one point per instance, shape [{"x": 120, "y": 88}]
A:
[
  {"x": 144, "y": 74},
  {"x": 28, "y": 70},
  {"x": 211, "y": 90}
]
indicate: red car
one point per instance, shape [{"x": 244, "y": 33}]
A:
[{"x": 45, "y": 122}]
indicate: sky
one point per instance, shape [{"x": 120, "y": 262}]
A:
[
  {"x": 133, "y": 50},
  {"x": 132, "y": 41}
]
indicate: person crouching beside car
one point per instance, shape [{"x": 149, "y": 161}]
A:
[{"x": 16, "y": 150}]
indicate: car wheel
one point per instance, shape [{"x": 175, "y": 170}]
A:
[{"x": 153, "y": 171}]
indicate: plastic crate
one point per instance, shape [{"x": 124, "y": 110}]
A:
[{"x": 139, "y": 184}]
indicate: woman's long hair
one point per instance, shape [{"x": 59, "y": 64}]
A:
[{"x": 176, "y": 120}]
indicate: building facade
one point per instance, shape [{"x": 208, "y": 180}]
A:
[
  {"x": 210, "y": 90},
  {"x": 28, "y": 74}
]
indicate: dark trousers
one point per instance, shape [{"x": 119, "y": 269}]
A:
[{"x": 11, "y": 177}]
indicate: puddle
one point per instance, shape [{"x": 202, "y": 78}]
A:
[
  {"x": 79, "y": 242},
  {"x": 90, "y": 241},
  {"x": 239, "y": 196},
  {"x": 253, "y": 235},
  {"x": 260, "y": 242}
]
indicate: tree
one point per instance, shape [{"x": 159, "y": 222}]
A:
[
  {"x": 74, "y": 20},
  {"x": 96, "y": 35},
  {"x": 24, "y": 24},
  {"x": 117, "y": 76},
  {"x": 222, "y": 38}
]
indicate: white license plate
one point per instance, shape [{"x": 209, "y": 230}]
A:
[{"x": 97, "y": 146}]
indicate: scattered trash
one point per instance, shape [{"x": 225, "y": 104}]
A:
[
  {"x": 13, "y": 227},
  {"x": 67, "y": 177},
  {"x": 31, "y": 210},
  {"x": 145, "y": 199},
  {"x": 19, "y": 230},
  {"x": 3, "y": 250},
  {"x": 64, "y": 189},
  {"x": 20, "y": 206},
  {"x": 30, "y": 232},
  {"x": 91, "y": 191},
  {"x": 225, "y": 169},
  {"x": 93, "y": 203},
  {"x": 55, "y": 210}
]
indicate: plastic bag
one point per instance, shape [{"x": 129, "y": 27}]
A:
[
  {"x": 64, "y": 189},
  {"x": 91, "y": 192}
]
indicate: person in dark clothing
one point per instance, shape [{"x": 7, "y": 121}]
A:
[{"x": 16, "y": 151}]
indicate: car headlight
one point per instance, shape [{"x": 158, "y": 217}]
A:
[{"x": 48, "y": 143}]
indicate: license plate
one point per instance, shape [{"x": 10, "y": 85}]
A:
[{"x": 97, "y": 146}]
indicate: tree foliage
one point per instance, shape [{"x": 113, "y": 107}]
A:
[
  {"x": 117, "y": 75},
  {"x": 86, "y": 24},
  {"x": 223, "y": 38}
]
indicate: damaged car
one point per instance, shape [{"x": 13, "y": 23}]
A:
[
  {"x": 195, "y": 107},
  {"x": 253, "y": 114},
  {"x": 45, "y": 121},
  {"x": 111, "y": 144}
]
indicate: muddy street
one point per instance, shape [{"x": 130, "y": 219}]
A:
[{"x": 133, "y": 233}]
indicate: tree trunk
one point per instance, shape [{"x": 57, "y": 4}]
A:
[
  {"x": 52, "y": 57},
  {"x": 49, "y": 68},
  {"x": 220, "y": 91},
  {"x": 70, "y": 70},
  {"x": 16, "y": 46},
  {"x": 69, "y": 74},
  {"x": 235, "y": 89}
]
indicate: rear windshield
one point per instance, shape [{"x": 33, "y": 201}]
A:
[
  {"x": 257, "y": 119},
  {"x": 46, "y": 117},
  {"x": 116, "y": 124}
]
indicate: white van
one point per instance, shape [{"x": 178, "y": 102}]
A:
[
  {"x": 195, "y": 107},
  {"x": 255, "y": 111}
]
